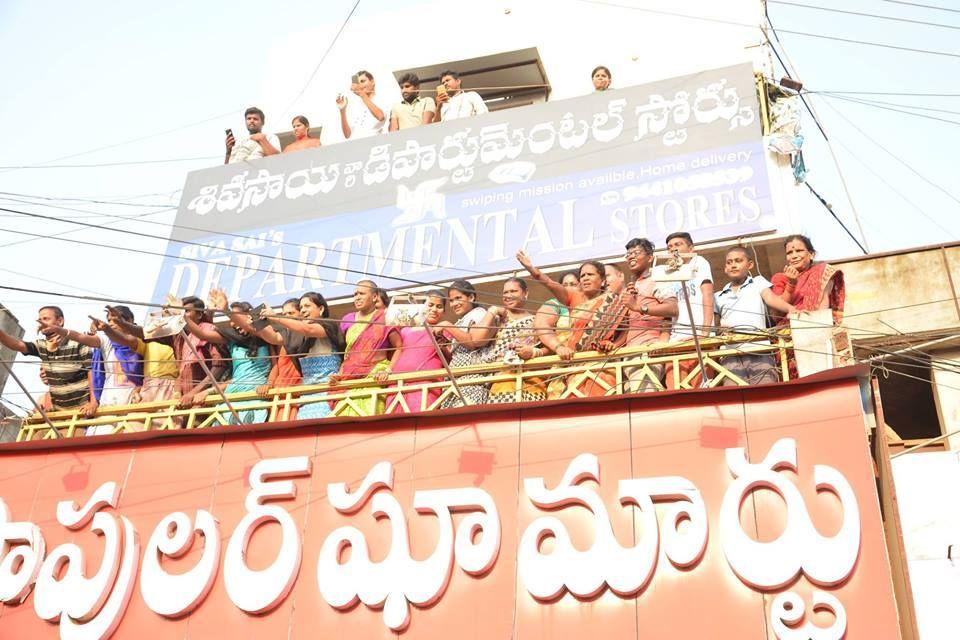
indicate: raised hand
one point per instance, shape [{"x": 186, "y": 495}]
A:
[
  {"x": 218, "y": 299},
  {"x": 524, "y": 259},
  {"x": 96, "y": 324},
  {"x": 791, "y": 272}
]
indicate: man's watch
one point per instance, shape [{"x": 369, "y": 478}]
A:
[{"x": 645, "y": 309}]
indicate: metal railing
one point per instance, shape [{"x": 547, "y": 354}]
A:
[{"x": 614, "y": 374}]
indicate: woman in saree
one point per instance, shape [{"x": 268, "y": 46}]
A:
[
  {"x": 315, "y": 343},
  {"x": 369, "y": 344},
  {"x": 250, "y": 360},
  {"x": 286, "y": 354},
  {"x": 809, "y": 285},
  {"x": 465, "y": 350},
  {"x": 595, "y": 322},
  {"x": 418, "y": 353},
  {"x": 513, "y": 336}
]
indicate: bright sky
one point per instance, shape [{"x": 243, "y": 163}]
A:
[{"x": 127, "y": 79}]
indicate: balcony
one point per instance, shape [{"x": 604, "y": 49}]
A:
[{"x": 281, "y": 402}]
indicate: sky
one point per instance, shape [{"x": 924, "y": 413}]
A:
[{"x": 129, "y": 82}]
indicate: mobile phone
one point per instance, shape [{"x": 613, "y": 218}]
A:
[
  {"x": 355, "y": 78},
  {"x": 229, "y": 132},
  {"x": 258, "y": 322}
]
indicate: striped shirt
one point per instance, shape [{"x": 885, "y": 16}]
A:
[{"x": 66, "y": 368}]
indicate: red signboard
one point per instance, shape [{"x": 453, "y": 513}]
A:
[{"x": 742, "y": 513}]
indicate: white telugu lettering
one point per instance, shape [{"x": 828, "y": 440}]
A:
[{"x": 87, "y": 608}]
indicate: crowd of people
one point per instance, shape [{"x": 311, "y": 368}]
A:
[
  {"x": 599, "y": 307},
  {"x": 364, "y": 114}
]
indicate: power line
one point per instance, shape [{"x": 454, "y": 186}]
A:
[
  {"x": 58, "y": 236},
  {"x": 91, "y": 213},
  {"x": 324, "y": 56},
  {"x": 886, "y": 93},
  {"x": 47, "y": 280},
  {"x": 131, "y": 141},
  {"x": 890, "y": 186},
  {"x": 816, "y": 120},
  {"x": 364, "y": 274},
  {"x": 896, "y": 157},
  {"x": 865, "y": 15},
  {"x": 923, "y": 6},
  {"x": 829, "y": 208},
  {"x": 812, "y": 325},
  {"x": 868, "y": 43},
  {"x": 72, "y": 219},
  {"x": 105, "y": 164},
  {"x": 891, "y": 104},
  {"x": 117, "y": 203},
  {"x": 878, "y": 106},
  {"x": 833, "y": 155}
]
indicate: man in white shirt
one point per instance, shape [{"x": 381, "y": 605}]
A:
[
  {"x": 361, "y": 114},
  {"x": 258, "y": 145},
  {"x": 700, "y": 292},
  {"x": 456, "y": 103},
  {"x": 742, "y": 308}
]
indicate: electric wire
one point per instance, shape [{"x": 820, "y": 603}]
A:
[
  {"x": 324, "y": 56},
  {"x": 890, "y": 104},
  {"x": 131, "y": 141},
  {"x": 887, "y": 183},
  {"x": 864, "y": 15},
  {"x": 812, "y": 324},
  {"x": 59, "y": 235},
  {"x": 124, "y": 202},
  {"x": 950, "y": 54},
  {"x": 920, "y": 5},
  {"x": 901, "y": 161},
  {"x": 122, "y": 163},
  {"x": 829, "y": 208},
  {"x": 884, "y": 93},
  {"x": 894, "y": 109}
]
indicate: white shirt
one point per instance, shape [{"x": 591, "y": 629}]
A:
[
  {"x": 248, "y": 149},
  {"x": 361, "y": 121},
  {"x": 743, "y": 308},
  {"x": 463, "y": 105},
  {"x": 682, "y": 327}
]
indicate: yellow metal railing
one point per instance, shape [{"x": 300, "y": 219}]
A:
[{"x": 607, "y": 372}]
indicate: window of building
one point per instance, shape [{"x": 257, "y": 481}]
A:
[{"x": 907, "y": 397}]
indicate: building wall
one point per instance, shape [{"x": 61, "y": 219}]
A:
[
  {"x": 908, "y": 292},
  {"x": 930, "y": 520},
  {"x": 911, "y": 293}
]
